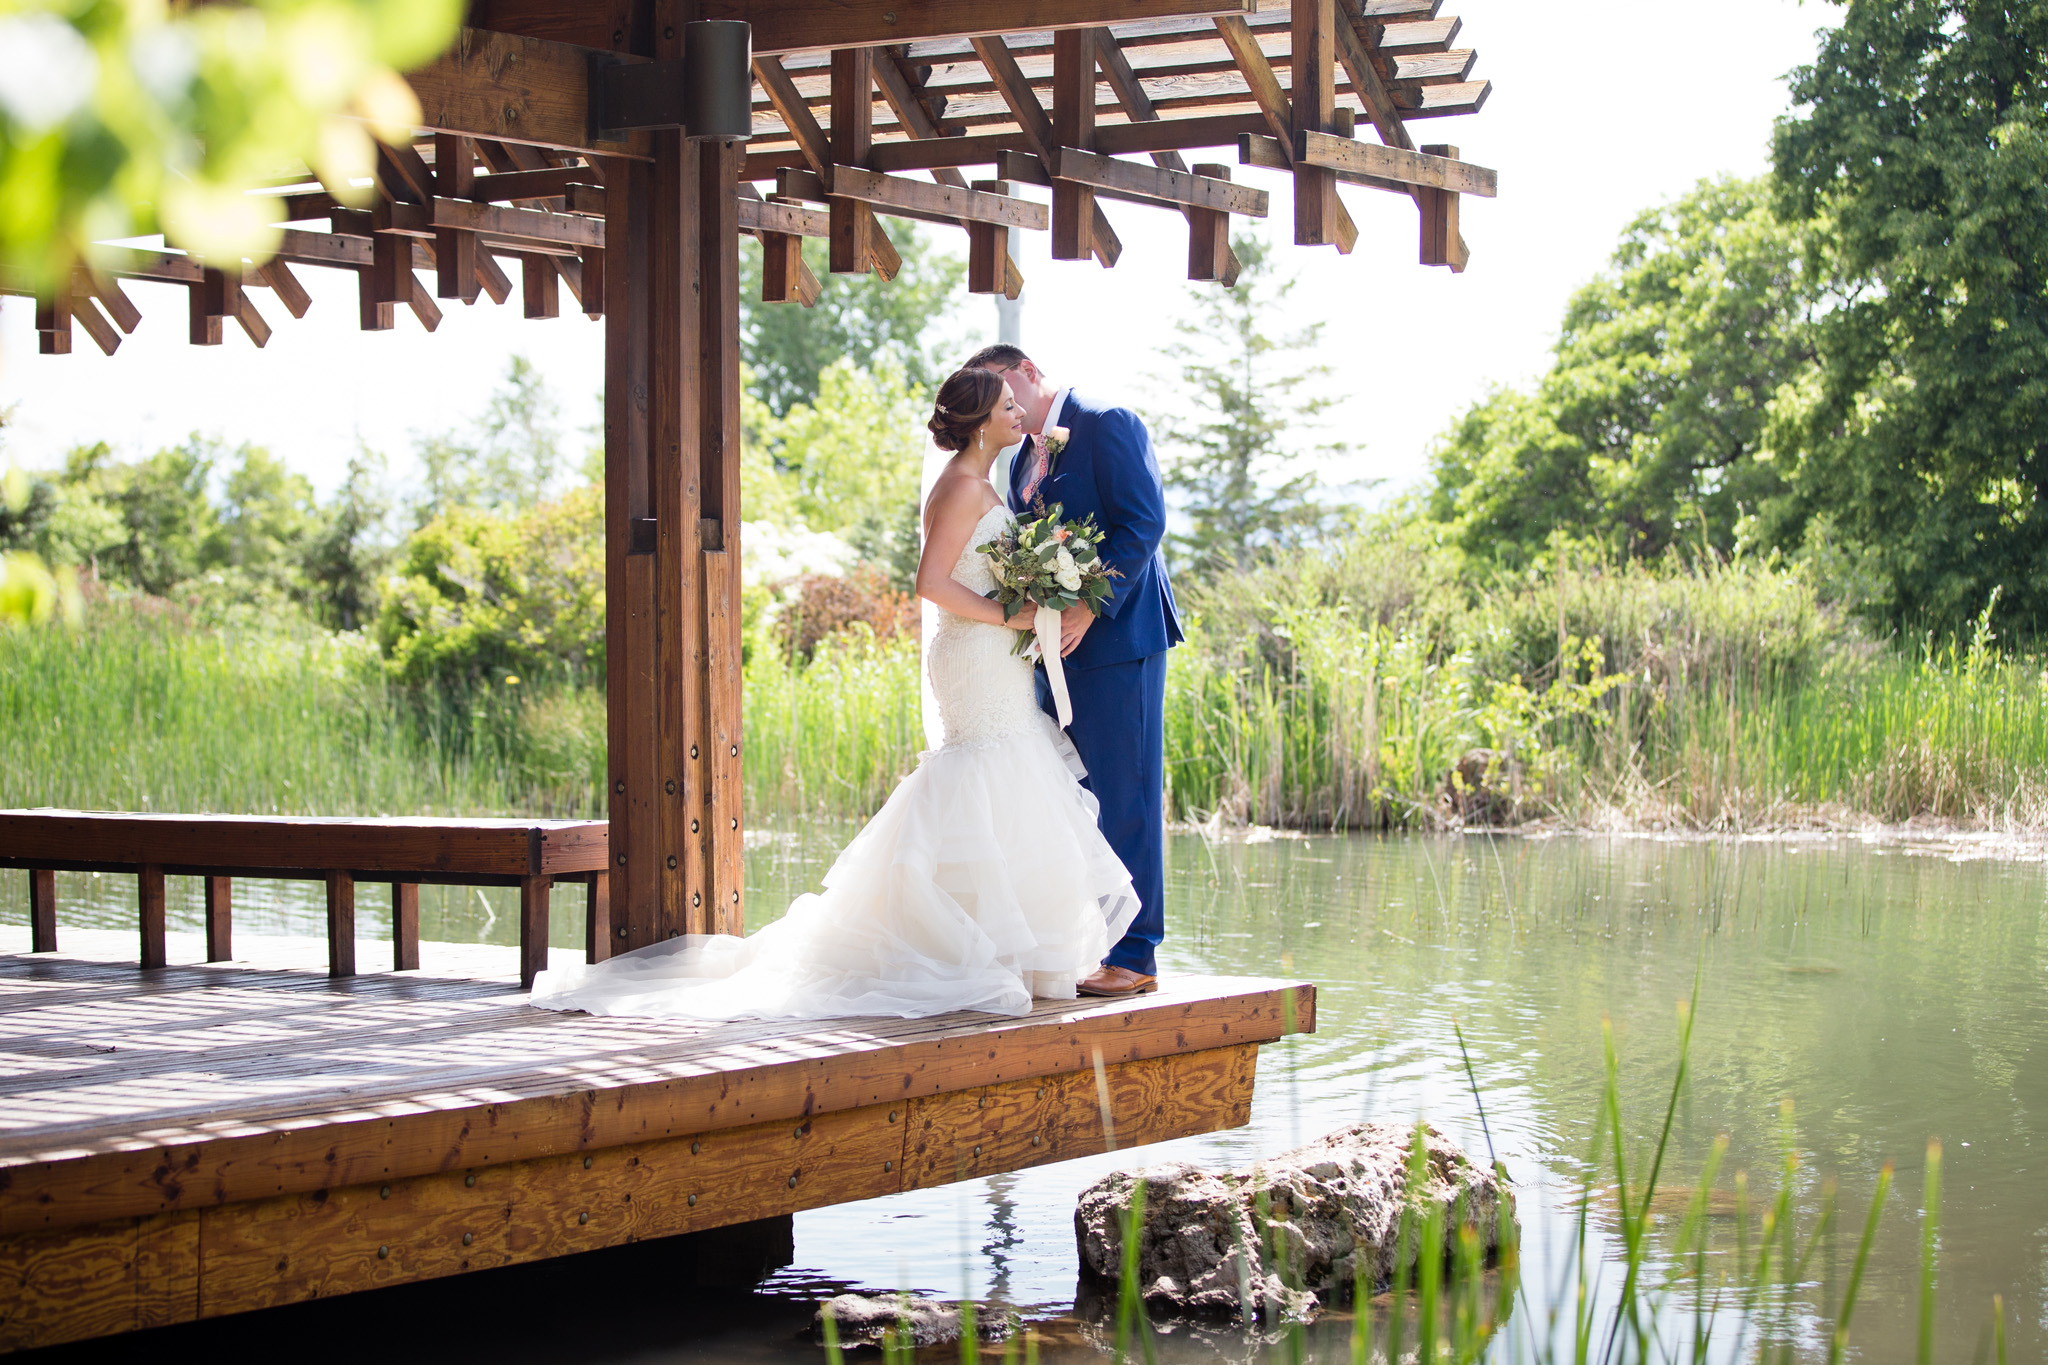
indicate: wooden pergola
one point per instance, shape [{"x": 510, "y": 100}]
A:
[{"x": 558, "y": 142}]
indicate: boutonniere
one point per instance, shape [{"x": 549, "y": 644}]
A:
[{"x": 1055, "y": 442}]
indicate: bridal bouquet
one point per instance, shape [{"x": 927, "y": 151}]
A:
[{"x": 1048, "y": 563}]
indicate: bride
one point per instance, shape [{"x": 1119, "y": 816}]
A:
[{"x": 982, "y": 883}]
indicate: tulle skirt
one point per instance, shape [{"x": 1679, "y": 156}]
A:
[{"x": 982, "y": 883}]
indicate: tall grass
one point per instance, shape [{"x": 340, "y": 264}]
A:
[{"x": 1724, "y": 698}]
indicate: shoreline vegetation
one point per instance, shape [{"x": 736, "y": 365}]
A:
[{"x": 1367, "y": 686}]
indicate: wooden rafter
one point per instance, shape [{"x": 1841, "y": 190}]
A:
[
  {"x": 784, "y": 26},
  {"x": 1037, "y": 132},
  {"x": 1276, "y": 108},
  {"x": 1130, "y": 93}
]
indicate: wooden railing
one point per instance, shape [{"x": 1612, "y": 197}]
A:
[{"x": 530, "y": 854}]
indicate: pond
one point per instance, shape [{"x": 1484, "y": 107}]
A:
[{"x": 1855, "y": 999}]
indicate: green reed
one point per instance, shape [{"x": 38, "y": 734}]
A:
[{"x": 1722, "y": 712}]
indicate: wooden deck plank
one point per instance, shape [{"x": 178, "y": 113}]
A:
[
  {"x": 214, "y": 1084},
  {"x": 115, "y": 1276}
]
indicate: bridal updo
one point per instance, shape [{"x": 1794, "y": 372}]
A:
[{"x": 964, "y": 403}]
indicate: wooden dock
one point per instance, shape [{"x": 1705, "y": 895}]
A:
[{"x": 200, "y": 1140}]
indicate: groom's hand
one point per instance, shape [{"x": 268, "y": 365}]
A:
[{"x": 1074, "y": 623}]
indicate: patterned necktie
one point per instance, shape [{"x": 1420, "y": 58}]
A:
[{"x": 1041, "y": 462}]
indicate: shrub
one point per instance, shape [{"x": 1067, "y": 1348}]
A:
[{"x": 821, "y": 605}]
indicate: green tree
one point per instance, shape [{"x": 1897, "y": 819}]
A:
[
  {"x": 847, "y": 463},
  {"x": 477, "y": 597},
  {"x": 345, "y": 558},
  {"x": 168, "y": 526},
  {"x": 1920, "y": 150},
  {"x": 1252, "y": 400},
  {"x": 1650, "y": 428},
  {"x": 861, "y": 318},
  {"x": 510, "y": 459},
  {"x": 266, "y": 515}
]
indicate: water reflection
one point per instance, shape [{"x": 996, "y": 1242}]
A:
[{"x": 1889, "y": 992}]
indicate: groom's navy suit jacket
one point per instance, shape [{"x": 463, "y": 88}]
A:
[{"x": 1108, "y": 472}]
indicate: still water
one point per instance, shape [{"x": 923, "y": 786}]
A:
[{"x": 1856, "y": 999}]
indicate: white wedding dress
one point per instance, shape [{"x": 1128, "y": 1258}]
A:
[{"x": 982, "y": 882}]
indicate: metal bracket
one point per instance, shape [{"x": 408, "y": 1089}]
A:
[{"x": 707, "y": 92}]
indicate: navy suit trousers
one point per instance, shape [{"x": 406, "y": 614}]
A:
[{"x": 1120, "y": 730}]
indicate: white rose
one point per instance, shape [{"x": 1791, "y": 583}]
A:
[{"x": 1065, "y": 571}]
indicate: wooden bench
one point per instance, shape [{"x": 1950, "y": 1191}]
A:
[{"x": 529, "y": 854}]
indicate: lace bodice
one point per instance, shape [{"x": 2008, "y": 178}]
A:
[
  {"x": 983, "y": 690},
  {"x": 971, "y": 569}
]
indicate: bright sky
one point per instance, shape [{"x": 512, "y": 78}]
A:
[{"x": 1597, "y": 113}]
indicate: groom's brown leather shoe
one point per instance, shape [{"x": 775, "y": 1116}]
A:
[{"x": 1113, "y": 981}]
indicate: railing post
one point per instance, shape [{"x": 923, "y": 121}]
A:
[
  {"x": 42, "y": 910},
  {"x": 149, "y": 892},
  {"x": 597, "y": 917},
  {"x": 220, "y": 919},
  {"x": 533, "y": 927},
  {"x": 405, "y": 926},
  {"x": 341, "y": 924}
]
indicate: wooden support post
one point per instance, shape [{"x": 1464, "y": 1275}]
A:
[
  {"x": 455, "y": 252},
  {"x": 591, "y": 296},
  {"x": 341, "y": 924},
  {"x": 149, "y": 895},
  {"x": 1314, "y": 95},
  {"x": 1442, "y": 242},
  {"x": 720, "y": 803},
  {"x": 87, "y": 315},
  {"x": 42, "y": 910},
  {"x": 852, "y": 134},
  {"x": 533, "y": 927},
  {"x": 405, "y": 926},
  {"x": 597, "y": 917},
  {"x": 371, "y": 314},
  {"x": 220, "y": 919},
  {"x": 204, "y": 326},
  {"x": 53, "y": 324},
  {"x": 537, "y": 286},
  {"x": 1073, "y": 125},
  {"x": 988, "y": 247},
  {"x": 676, "y": 383},
  {"x": 782, "y": 267},
  {"x": 391, "y": 278},
  {"x": 1209, "y": 254},
  {"x": 631, "y": 561}
]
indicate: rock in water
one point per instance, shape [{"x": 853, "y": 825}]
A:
[
  {"x": 861, "y": 1319},
  {"x": 1208, "y": 1248}
]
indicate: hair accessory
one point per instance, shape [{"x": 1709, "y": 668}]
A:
[{"x": 943, "y": 409}]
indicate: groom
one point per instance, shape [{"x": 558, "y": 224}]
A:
[{"x": 1115, "y": 663}]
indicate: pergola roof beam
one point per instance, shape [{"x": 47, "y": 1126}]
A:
[{"x": 785, "y": 26}]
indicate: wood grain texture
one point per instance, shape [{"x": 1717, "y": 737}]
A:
[
  {"x": 967, "y": 1134},
  {"x": 1395, "y": 164},
  {"x": 119, "y": 1275},
  {"x": 1158, "y": 185},
  {"x": 149, "y": 895},
  {"x": 788, "y": 26},
  {"x": 515, "y": 89},
  {"x": 220, "y": 919},
  {"x": 405, "y": 925},
  {"x": 309, "y": 1085},
  {"x": 510, "y": 848},
  {"x": 853, "y": 106},
  {"x": 42, "y": 910}
]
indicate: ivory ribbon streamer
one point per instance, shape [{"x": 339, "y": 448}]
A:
[{"x": 1045, "y": 624}]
